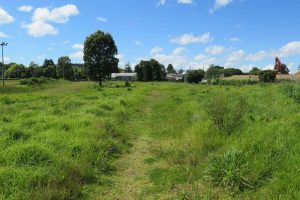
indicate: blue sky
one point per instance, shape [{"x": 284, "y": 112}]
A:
[{"x": 190, "y": 34}]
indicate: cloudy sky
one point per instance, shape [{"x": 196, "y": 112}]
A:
[{"x": 187, "y": 33}]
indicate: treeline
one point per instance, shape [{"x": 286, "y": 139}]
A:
[{"x": 63, "y": 69}]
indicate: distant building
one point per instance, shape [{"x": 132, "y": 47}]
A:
[
  {"x": 174, "y": 77},
  {"x": 124, "y": 76}
]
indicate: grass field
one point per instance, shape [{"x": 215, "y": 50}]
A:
[{"x": 67, "y": 140}]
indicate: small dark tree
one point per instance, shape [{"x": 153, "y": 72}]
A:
[
  {"x": 195, "y": 76},
  {"x": 214, "y": 72},
  {"x": 232, "y": 71},
  {"x": 64, "y": 68},
  {"x": 170, "y": 69},
  {"x": 255, "y": 71},
  {"x": 48, "y": 63},
  {"x": 284, "y": 69},
  {"x": 128, "y": 68},
  {"x": 49, "y": 69},
  {"x": 99, "y": 56},
  {"x": 267, "y": 76}
]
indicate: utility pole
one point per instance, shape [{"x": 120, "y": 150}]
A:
[{"x": 2, "y": 45}]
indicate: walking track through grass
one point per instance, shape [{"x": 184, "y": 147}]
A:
[{"x": 131, "y": 180}]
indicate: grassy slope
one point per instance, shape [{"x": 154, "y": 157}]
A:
[{"x": 71, "y": 140}]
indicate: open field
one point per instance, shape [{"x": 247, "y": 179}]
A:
[{"x": 67, "y": 140}]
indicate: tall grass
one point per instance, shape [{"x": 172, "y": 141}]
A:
[{"x": 54, "y": 143}]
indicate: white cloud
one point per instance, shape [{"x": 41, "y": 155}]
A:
[
  {"x": 185, "y": 1},
  {"x": 176, "y": 57},
  {"x": 40, "y": 28},
  {"x": 137, "y": 42},
  {"x": 219, "y": 4},
  {"x": 156, "y": 50},
  {"x": 78, "y": 55},
  {"x": 214, "y": 50},
  {"x": 186, "y": 39},
  {"x": 5, "y": 18},
  {"x": 3, "y": 35},
  {"x": 234, "y": 39},
  {"x": 7, "y": 59},
  {"x": 247, "y": 68},
  {"x": 268, "y": 67},
  {"x": 200, "y": 57},
  {"x": 78, "y": 46},
  {"x": 179, "y": 51},
  {"x": 236, "y": 56},
  {"x": 101, "y": 19},
  {"x": 25, "y": 8},
  {"x": 121, "y": 59},
  {"x": 163, "y": 2},
  {"x": 259, "y": 56},
  {"x": 290, "y": 49},
  {"x": 42, "y": 17}
]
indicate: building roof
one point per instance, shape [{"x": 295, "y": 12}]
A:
[{"x": 114, "y": 75}]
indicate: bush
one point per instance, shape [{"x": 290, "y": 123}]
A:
[
  {"x": 194, "y": 76},
  {"x": 267, "y": 76},
  {"x": 227, "y": 113},
  {"x": 233, "y": 82},
  {"x": 230, "y": 171},
  {"x": 127, "y": 84},
  {"x": 33, "y": 81}
]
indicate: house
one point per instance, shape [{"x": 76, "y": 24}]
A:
[
  {"x": 124, "y": 76},
  {"x": 174, "y": 77}
]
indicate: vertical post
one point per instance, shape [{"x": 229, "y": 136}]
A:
[{"x": 2, "y": 65}]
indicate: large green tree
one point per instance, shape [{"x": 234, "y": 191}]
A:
[
  {"x": 99, "y": 56},
  {"x": 150, "y": 70},
  {"x": 16, "y": 71},
  {"x": 64, "y": 68}
]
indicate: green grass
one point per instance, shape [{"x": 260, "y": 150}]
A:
[{"x": 68, "y": 140}]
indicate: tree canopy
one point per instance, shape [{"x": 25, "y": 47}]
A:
[
  {"x": 170, "y": 69},
  {"x": 64, "y": 68},
  {"x": 99, "y": 56},
  {"x": 195, "y": 76},
  {"x": 150, "y": 70}
]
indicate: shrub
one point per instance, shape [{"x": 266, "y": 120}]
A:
[
  {"x": 267, "y": 76},
  {"x": 194, "y": 76},
  {"x": 230, "y": 171},
  {"x": 233, "y": 82},
  {"x": 127, "y": 84},
  {"x": 226, "y": 112},
  {"x": 33, "y": 81}
]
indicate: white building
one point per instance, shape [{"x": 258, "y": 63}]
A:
[{"x": 124, "y": 76}]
